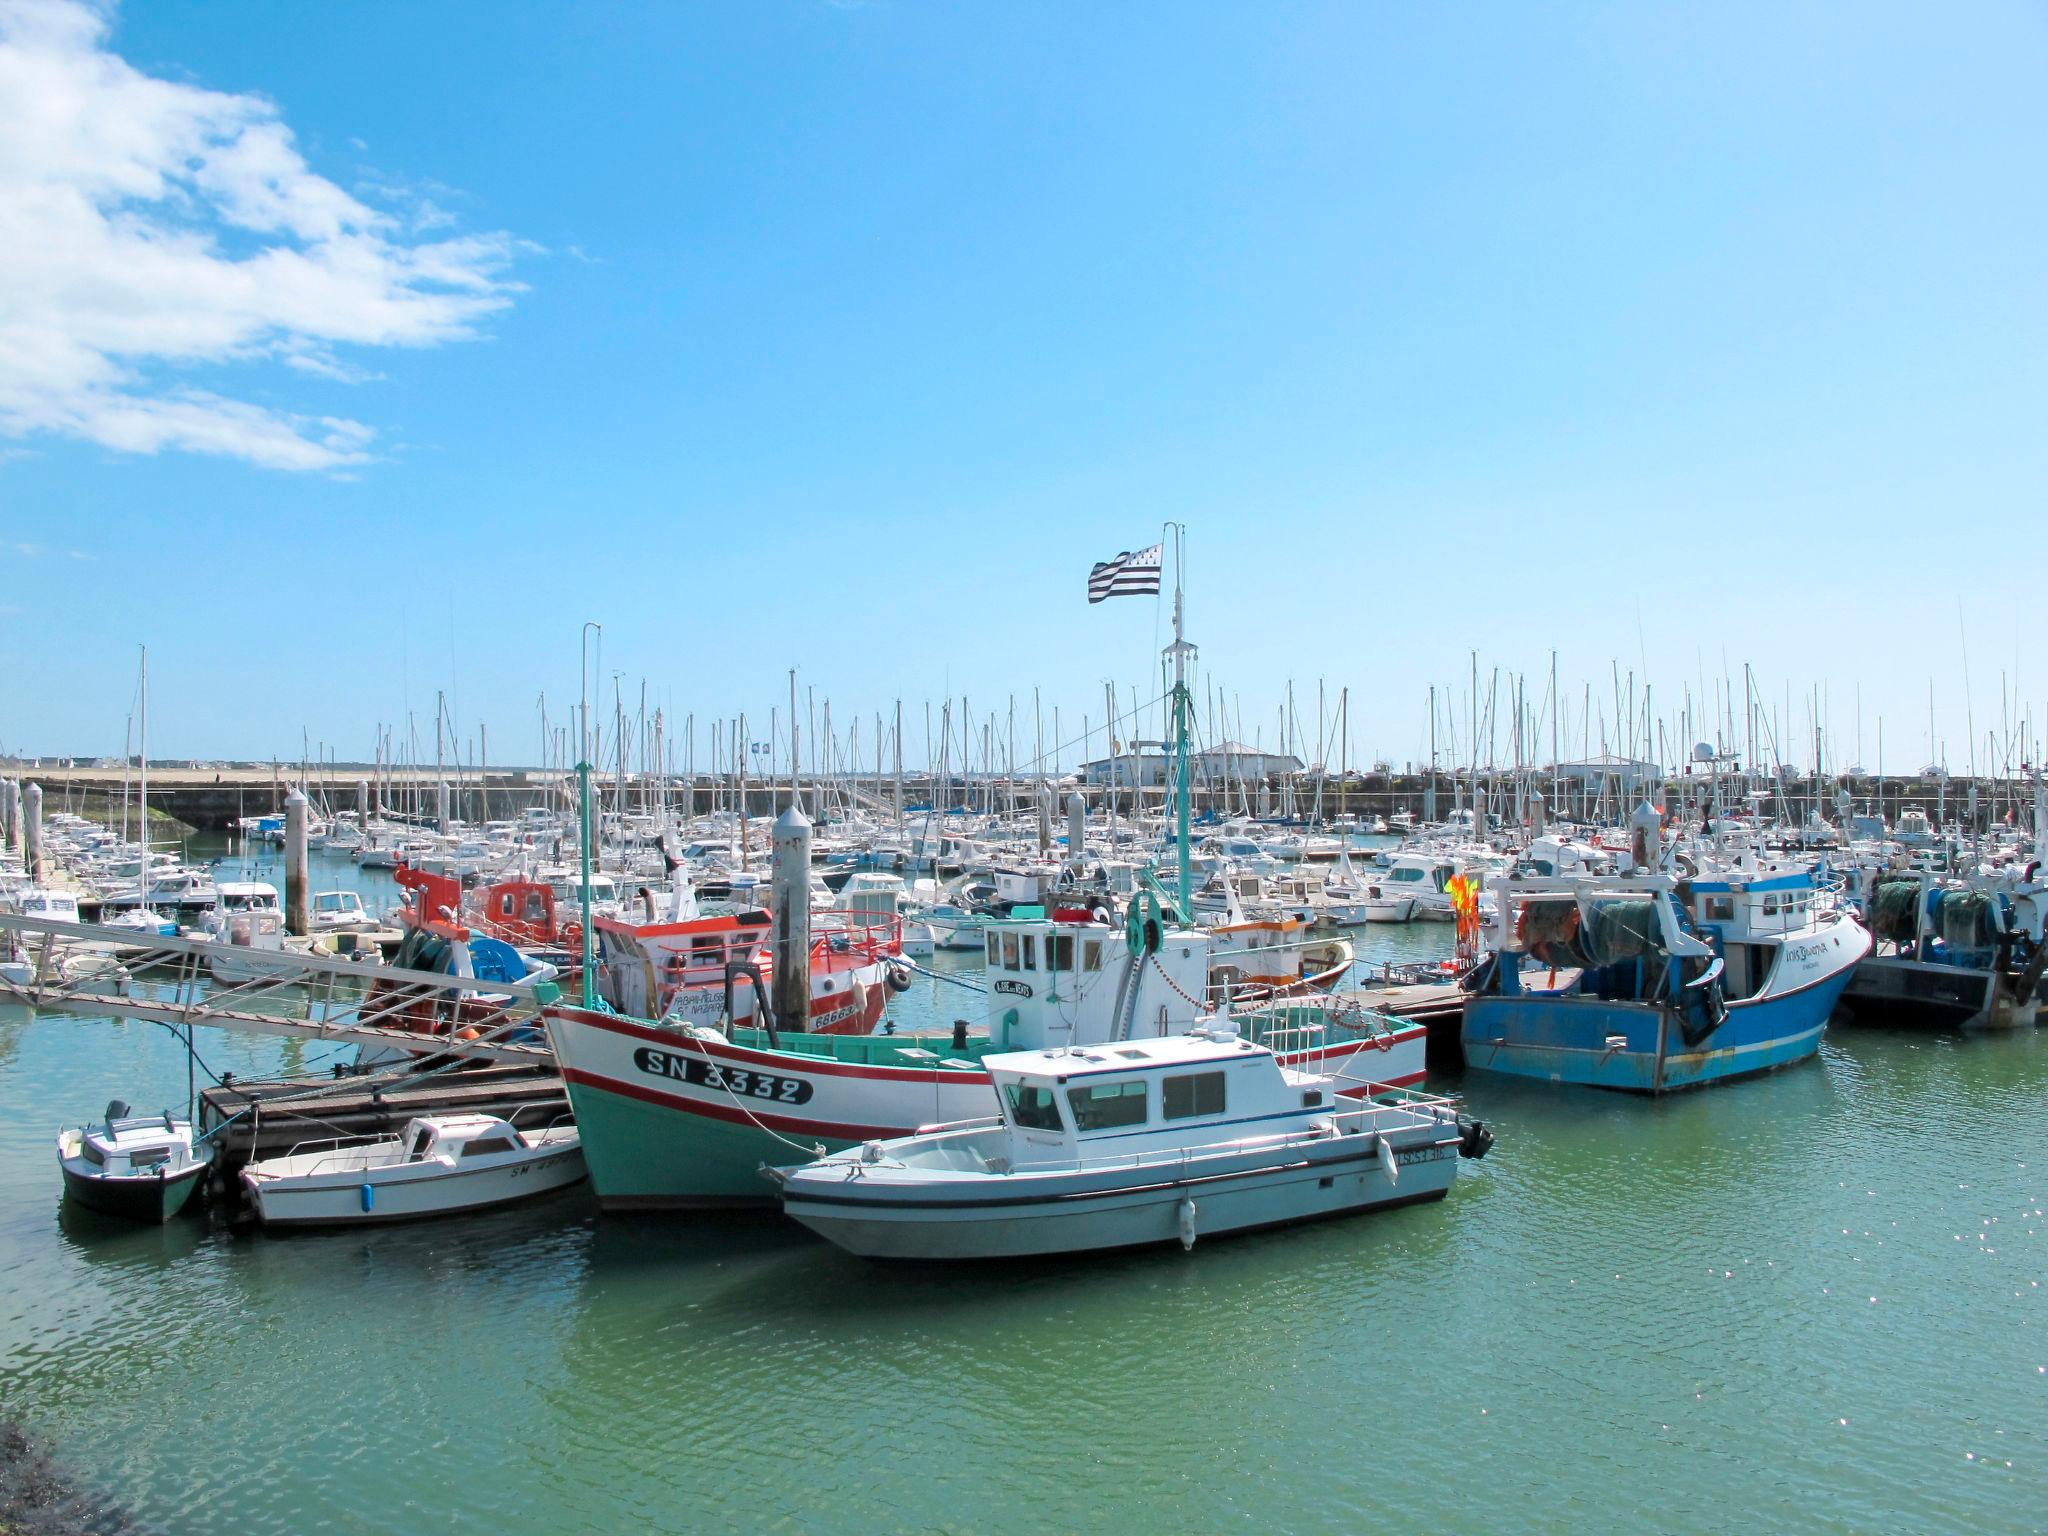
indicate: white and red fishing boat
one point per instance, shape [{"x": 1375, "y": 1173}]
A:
[
  {"x": 694, "y": 969},
  {"x": 682, "y": 1110}
]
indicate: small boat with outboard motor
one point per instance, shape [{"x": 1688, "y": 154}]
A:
[
  {"x": 1128, "y": 1145},
  {"x": 142, "y": 1167}
]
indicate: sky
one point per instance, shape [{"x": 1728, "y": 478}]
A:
[{"x": 356, "y": 355}]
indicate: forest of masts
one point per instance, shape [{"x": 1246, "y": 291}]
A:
[{"x": 1494, "y": 728}]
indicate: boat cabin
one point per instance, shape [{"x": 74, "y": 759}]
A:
[
  {"x": 1057, "y": 1102},
  {"x": 678, "y": 970},
  {"x": 1065, "y": 978},
  {"x": 246, "y": 896},
  {"x": 51, "y": 906},
  {"x": 123, "y": 1145},
  {"x": 454, "y": 1138},
  {"x": 338, "y": 909}
]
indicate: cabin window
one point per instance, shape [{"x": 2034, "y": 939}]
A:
[
  {"x": 486, "y": 1144},
  {"x": 1105, "y": 1106},
  {"x": 707, "y": 947},
  {"x": 1009, "y": 952},
  {"x": 1719, "y": 909},
  {"x": 1059, "y": 952},
  {"x": 147, "y": 1157},
  {"x": 1032, "y": 1107},
  {"x": 1192, "y": 1093},
  {"x": 994, "y": 948},
  {"x": 1091, "y": 954},
  {"x": 1771, "y": 905},
  {"x": 92, "y": 1154},
  {"x": 1030, "y": 953}
]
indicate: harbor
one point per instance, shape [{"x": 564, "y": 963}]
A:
[{"x": 833, "y": 767}]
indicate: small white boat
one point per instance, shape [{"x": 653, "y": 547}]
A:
[
  {"x": 142, "y": 1167},
  {"x": 440, "y": 1165},
  {"x": 339, "y": 912},
  {"x": 1128, "y": 1144}
]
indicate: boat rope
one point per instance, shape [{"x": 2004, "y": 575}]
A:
[
  {"x": 958, "y": 981},
  {"x": 814, "y": 1150}
]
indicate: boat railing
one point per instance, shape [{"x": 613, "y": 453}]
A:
[
  {"x": 871, "y": 936},
  {"x": 1367, "y": 1119},
  {"x": 338, "y": 1160}
]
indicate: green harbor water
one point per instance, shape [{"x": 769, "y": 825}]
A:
[{"x": 1809, "y": 1302}]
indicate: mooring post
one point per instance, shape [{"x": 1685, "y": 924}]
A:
[
  {"x": 32, "y": 832},
  {"x": 295, "y": 864},
  {"x": 1044, "y": 822},
  {"x": 1077, "y": 829},
  {"x": 790, "y": 877},
  {"x": 10, "y": 815}
]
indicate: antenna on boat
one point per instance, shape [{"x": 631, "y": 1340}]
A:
[{"x": 583, "y": 812}]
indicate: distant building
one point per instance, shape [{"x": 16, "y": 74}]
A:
[
  {"x": 1149, "y": 765},
  {"x": 1610, "y": 770}
]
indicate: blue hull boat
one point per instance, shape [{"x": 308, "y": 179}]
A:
[{"x": 1649, "y": 985}]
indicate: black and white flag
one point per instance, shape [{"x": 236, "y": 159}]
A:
[{"x": 1128, "y": 575}]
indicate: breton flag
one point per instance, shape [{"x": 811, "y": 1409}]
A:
[{"x": 1128, "y": 575}]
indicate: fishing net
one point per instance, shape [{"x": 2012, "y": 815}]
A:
[
  {"x": 1969, "y": 919},
  {"x": 1895, "y": 910},
  {"x": 1556, "y": 932}
]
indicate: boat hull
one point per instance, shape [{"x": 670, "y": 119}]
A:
[
  {"x": 400, "y": 1194},
  {"x": 151, "y": 1199},
  {"x": 685, "y": 1119},
  {"x": 1103, "y": 1211},
  {"x": 1899, "y": 990}
]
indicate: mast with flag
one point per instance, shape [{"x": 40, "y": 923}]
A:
[{"x": 1136, "y": 573}]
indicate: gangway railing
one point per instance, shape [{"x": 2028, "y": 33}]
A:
[{"x": 288, "y": 993}]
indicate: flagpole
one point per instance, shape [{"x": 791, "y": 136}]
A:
[{"x": 1180, "y": 650}]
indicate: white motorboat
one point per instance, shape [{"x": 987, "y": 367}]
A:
[
  {"x": 440, "y": 1165},
  {"x": 1130, "y": 1144},
  {"x": 340, "y": 912},
  {"x": 142, "y": 1167}
]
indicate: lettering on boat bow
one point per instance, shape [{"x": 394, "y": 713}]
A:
[{"x": 743, "y": 1082}]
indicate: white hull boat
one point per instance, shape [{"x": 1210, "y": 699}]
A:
[
  {"x": 441, "y": 1165},
  {"x": 1129, "y": 1146}
]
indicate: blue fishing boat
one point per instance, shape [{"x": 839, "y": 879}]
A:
[{"x": 1650, "y": 982}]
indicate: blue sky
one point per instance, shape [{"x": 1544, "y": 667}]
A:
[{"x": 845, "y": 337}]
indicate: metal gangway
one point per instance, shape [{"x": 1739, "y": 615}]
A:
[{"x": 97, "y": 970}]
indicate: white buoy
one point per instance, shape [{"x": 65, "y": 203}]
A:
[
  {"x": 1187, "y": 1222},
  {"x": 790, "y": 907},
  {"x": 295, "y": 910},
  {"x": 1387, "y": 1164}
]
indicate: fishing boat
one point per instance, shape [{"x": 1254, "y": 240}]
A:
[
  {"x": 1952, "y": 954},
  {"x": 439, "y": 1165},
  {"x": 1133, "y": 1145},
  {"x": 1648, "y": 982},
  {"x": 680, "y": 1109},
  {"x": 142, "y": 1167}
]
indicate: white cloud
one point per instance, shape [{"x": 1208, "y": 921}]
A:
[{"x": 149, "y": 227}]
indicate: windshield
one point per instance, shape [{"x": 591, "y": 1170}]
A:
[{"x": 1032, "y": 1107}]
